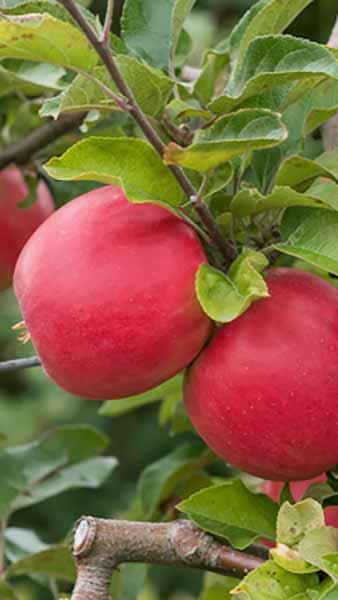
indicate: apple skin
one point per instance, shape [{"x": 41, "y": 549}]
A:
[
  {"x": 107, "y": 291},
  {"x": 17, "y": 224},
  {"x": 298, "y": 488},
  {"x": 264, "y": 393}
]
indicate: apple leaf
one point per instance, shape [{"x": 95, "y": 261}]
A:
[
  {"x": 250, "y": 201},
  {"x": 55, "y": 561},
  {"x": 62, "y": 460},
  {"x": 42, "y": 38},
  {"x": 312, "y": 235},
  {"x": 226, "y": 297},
  {"x": 320, "y": 548},
  {"x": 231, "y": 511},
  {"x": 271, "y": 581},
  {"x": 264, "y": 17},
  {"x": 230, "y": 136},
  {"x": 150, "y": 87},
  {"x": 299, "y": 172},
  {"x": 272, "y": 61},
  {"x": 19, "y": 542},
  {"x": 129, "y": 162},
  {"x": 6, "y": 591},
  {"x": 329, "y": 161},
  {"x": 151, "y": 28},
  {"x": 29, "y": 78},
  {"x": 217, "y": 587},
  {"x": 115, "y": 408}
]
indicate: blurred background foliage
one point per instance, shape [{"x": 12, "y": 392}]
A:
[{"x": 31, "y": 404}]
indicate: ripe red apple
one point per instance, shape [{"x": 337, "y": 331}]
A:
[
  {"x": 107, "y": 291},
  {"x": 298, "y": 488},
  {"x": 17, "y": 224},
  {"x": 264, "y": 393}
]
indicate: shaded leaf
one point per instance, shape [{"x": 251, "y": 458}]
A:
[
  {"x": 56, "y": 561},
  {"x": 231, "y": 511},
  {"x": 19, "y": 542},
  {"x": 6, "y": 591},
  {"x": 229, "y": 136},
  {"x": 317, "y": 544},
  {"x": 217, "y": 587},
  {"x": 225, "y": 297},
  {"x": 128, "y": 162}
]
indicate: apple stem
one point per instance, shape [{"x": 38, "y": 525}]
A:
[
  {"x": 101, "y": 545},
  {"x": 19, "y": 363},
  {"x": 101, "y": 46}
]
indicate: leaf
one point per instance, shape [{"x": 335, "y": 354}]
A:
[
  {"x": 226, "y": 297},
  {"x": 150, "y": 87},
  {"x": 250, "y": 201},
  {"x": 318, "y": 544},
  {"x": 29, "y": 78},
  {"x": 128, "y": 581},
  {"x": 6, "y": 591},
  {"x": 56, "y": 462},
  {"x": 217, "y": 587},
  {"x": 272, "y": 61},
  {"x": 295, "y": 520},
  {"x": 55, "y": 562},
  {"x": 129, "y": 162},
  {"x": 312, "y": 235},
  {"x": 151, "y": 28},
  {"x": 230, "y": 136},
  {"x": 43, "y": 38},
  {"x": 270, "y": 582},
  {"x": 299, "y": 172},
  {"x": 19, "y": 542},
  {"x": 329, "y": 161},
  {"x": 160, "y": 478},
  {"x": 114, "y": 408},
  {"x": 231, "y": 511},
  {"x": 265, "y": 17}
]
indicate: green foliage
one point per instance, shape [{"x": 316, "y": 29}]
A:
[
  {"x": 217, "y": 587},
  {"x": 231, "y": 511}
]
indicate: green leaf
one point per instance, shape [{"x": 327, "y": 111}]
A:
[
  {"x": 150, "y": 87},
  {"x": 128, "y": 582},
  {"x": 56, "y": 562},
  {"x": 217, "y": 587},
  {"x": 299, "y": 172},
  {"x": 250, "y": 201},
  {"x": 231, "y": 511},
  {"x": 264, "y": 17},
  {"x": 329, "y": 161},
  {"x": 151, "y": 28},
  {"x": 213, "y": 68},
  {"x": 160, "y": 478},
  {"x": 319, "y": 544},
  {"x": 30, "y": 79},
  {"x": 115, "y": 408},
  {"x": 6, "y": 591},
  {"x": 272, "y": 61},
  {"x": 312, "y": 235},
  {"x": 19, "y": 542},
  {"x": 230, "y": 136},
  {"x": 55, "y": 463},
  {"x": 226, "y": 297},
  {"x": 129, "y": 162},
  {"x": 42, "y": 38},
  {"x": 270, "y": 582}
]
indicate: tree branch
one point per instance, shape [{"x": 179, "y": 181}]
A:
[
  {"x": 101, "y": 545},
  {"x": 21, "y": 152},
  {"x": 19, "y": 363},
  {"x": 136, "y": 112},
  {"x": 330, "y": 129}
]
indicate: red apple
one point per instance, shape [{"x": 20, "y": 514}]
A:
[
  {"x": 264, "y": 393},
  {"x": 107, "y": 291},
  {"x": 298, "y": 488},
  {"x": 17, "y": 224}
]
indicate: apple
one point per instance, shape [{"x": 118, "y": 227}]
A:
[
  {"x": 107, "y": 291},
  {"x": 298, "y": 488},
  {"x": 17, "y": 224},
  {"x": 264, "y": 393}
]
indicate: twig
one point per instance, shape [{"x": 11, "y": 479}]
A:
[
  {"x": 330, "y": 128},
  {"x": 136, "y": 112},
  {"x": 107, "y": 23},
  {"x": 19, "y": 363},
  {"x": 100, "y": 546},
  {"x": 22, "y": 151}
]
